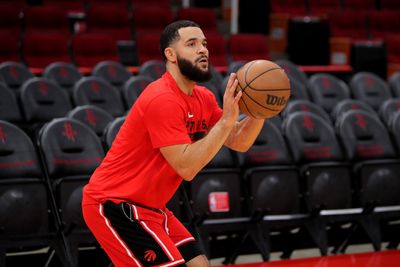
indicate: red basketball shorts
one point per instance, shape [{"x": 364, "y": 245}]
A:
[{"x": 132, "y": 235}]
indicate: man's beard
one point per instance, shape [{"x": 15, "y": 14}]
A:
[{"x": 192, "y": 72}]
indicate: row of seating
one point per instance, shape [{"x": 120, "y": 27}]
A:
[
  {"x": 304, "y": 171},
  {"x": 318, "y": 8}
]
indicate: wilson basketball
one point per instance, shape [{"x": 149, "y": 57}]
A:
[{"x": 265, "y": 89}]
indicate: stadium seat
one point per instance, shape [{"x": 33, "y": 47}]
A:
[
  {"x": 351, "y": 104},
  {"x": 298, "y": 90},
  {"x": 70, "y": 152},
  {"x": 133, "y": 87},
  {"x": 98, "y": 92},
  {"x": 394, "y": 82},
  {"x": 14, "y": 74},
  {"x": 390, "y": 4},
  {"x": 205, "y": 17},
  {"x": 122, "y": 4},
  {"x": 94, "y": 117},
  {"x": 111, "y": 19},
  {"x": 10, "y": 47},
  {"x": 234, "y": 66},
  {"x": 326, "y": 90},
  {"x": 216, "y": 198},
  {"x": 248, "y": 46},
  {"x": 349, "y": 24},
  {"x": 323, "y": 8},
  {"x": 370, "y": 88},
  {"x": 272, "y": 188},
  {"x": 150, "y": 19},
  {"x": 383, "y": 22},
  {"x": 43, "y": 100},
  {"x": 375, "y": 164},
  {"x": 28, "y": 218},
  {"x": 69, "y": 6},
  {"x": 113, "y": 72},
  {"x": 111, "y": 131},
  {"x": 291, "y": 7},
  {"x": 9, "y": 107},
  {"x": 39, "y": 49},
  {"x": 305, "y": 106},
  {"x": 325, "y": 175},
  {"x": 88, "y": 49},
  {"x": 62, "y": 73},
  {"x": 216, "y": 44},
  {"x": 393, "y": 48},
  {"x": 292, "y": 70},
  {"x": 388, "y": 109},
  {"x": 148, "y": 48},
  {"x": 394, "y": 128},
  {"x": 153, "y": 69},
  {"x": 365, "y": 5},
  {"x": 46, "y": 19},
  {"x": 138, "y": 3},
  {"x": 10, "y": 24}
]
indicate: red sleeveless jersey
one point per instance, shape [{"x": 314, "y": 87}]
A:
[{"x": 134, "y": 170}]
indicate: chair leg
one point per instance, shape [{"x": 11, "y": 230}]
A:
[
  {"x": 261, "y": 240},
  {"x": 371, "y": 227},
  {"x": 317, "y": 231},
  {"x": 2, "y": 257},
  {"x": 230, "y": 259}
]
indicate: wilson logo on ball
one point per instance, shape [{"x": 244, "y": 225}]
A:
[{"x": 275, "y": 100}]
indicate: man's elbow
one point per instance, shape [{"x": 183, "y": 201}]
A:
[{"x": 187, "y": 174}]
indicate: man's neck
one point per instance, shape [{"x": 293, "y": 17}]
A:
[{"x": 184, "y": 84}]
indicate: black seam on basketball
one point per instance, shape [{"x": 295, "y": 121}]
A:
[
  {"x": 260, "y": 104},
  {"x": 245, "y": 74},
  {"x": 269, "y": 90},
  {"x": 248, "y": 110},
  {"x": 262, "y": 73}
]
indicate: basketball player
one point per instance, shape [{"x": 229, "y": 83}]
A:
[{"x": 173, "y": 130}]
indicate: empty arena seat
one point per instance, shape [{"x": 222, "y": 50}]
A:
[
  {"x": 88, "y": 49},
  {"x": 113, "y": 72},
  {"x": 390, "y": 4},
  {"x": 217, "y": 44},
  {"x": 10, "y": 24},
  {"x": 27, "y": 215},
  {"x": 153, "y": 69},
  {"x": 43, "y": 18},
  {"x": 388, "y": 109},
  {"x": 94, "y": 117},
  {"x": 62, "y": 73},
  {"x": 70, "y": 152},
  {"x": 370, "y": 88},
  {"x": 349, "y": 24},
  {"x": 351, "y": 104},
  {"x": 40, "y": 49},
  {"x": 205, "y": 17},
  {"x": 248, "y": 46},
  {"x": 150, "y": 19},
  {"x": 234, "y": 66},
  {"x": 394, "y": 82},
  {"x": 326, "y": 90},
  {"x": 326, "y": 178},
  {"x": 298, "y": 90},
  {"x": 323, "y": 8},
  {"x": 43, "y": 100},
  {"x": 133, "y": 87},
  {"x": 293, "y": 70},
  {"x": 148, "y": 49},
  {"x": 359, "y": 5},
  {"x": 307, "y": 106},
  {"x": 111, "y": 130},
  {"x": 9, "y": 107},
  {"x": 109, "y": 18},
  {"x": 10, "y": 47},
  {"x": 394, "y": 127},
  {"x": 384, "y": 22},
  {"x": 70, "y": 6},
  {"x": 98, "y": 92},
  {"x": 14, "y": 74},
  {"x": 368, "y": 146},
  {"x": 291, "y": 7}
]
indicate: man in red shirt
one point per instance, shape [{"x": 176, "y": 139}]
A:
[{"x": 173, "y": 130}]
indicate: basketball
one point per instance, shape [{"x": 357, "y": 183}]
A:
[{"x": 265, "y": 89}]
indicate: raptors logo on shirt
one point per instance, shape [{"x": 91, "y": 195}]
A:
[{"x": 150, "y": 255}]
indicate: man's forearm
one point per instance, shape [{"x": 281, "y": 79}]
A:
[{"x": 244, "y": 134}]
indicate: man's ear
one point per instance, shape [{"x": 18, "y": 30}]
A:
[{"x": 170, "y": 54}]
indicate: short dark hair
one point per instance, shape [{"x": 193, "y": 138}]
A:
[{"x": 170, "y": 33}]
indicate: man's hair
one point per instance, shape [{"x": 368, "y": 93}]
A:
[{"x": 170, "y": 33}]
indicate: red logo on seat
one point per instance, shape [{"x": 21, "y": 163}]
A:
[
  {"x": 3, "y": 135},
  {"x": 69, "y": 132},
  {"x": 112, "y": 71},
  {"x": 150, "y": 255},
  {"x": 91, "y": 118},
  {"x": 361, "y": 122},
  {"x": 308, "y": 123}
]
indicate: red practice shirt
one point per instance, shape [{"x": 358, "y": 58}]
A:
[{"x": 134, "y": 170}]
